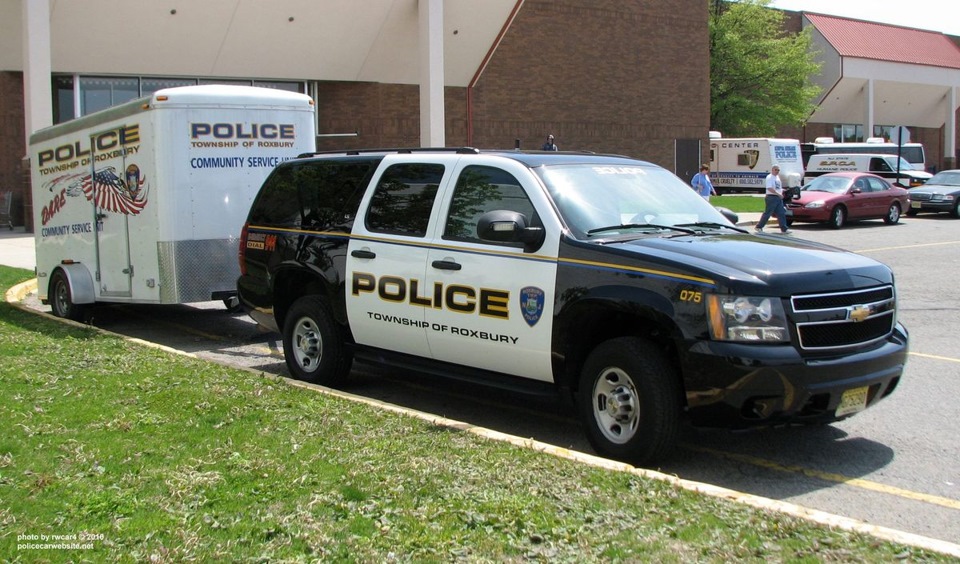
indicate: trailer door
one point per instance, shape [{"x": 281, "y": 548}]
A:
[{"x": 115, "y": 186}]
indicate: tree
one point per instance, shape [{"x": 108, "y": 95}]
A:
[{"x": 760, "y": 76}]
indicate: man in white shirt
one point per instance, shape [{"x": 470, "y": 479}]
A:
[{"x": 773, "y": 201}]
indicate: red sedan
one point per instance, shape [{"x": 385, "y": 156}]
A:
[{"x": 838, "y": 197}]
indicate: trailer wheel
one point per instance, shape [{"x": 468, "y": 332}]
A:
[
  {"x": 313, "y": 344},
  {"x": 61, "y": 298},
  {"x": 629, "y": 401}
]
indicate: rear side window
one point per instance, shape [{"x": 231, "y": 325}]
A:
[
  {"x": 278, "y": 202},
  {"x": 330, "y": 192},
  {"x": 403, "y": 199},
  {"x": 314, "y": 194}
]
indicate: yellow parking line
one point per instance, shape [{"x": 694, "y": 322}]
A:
[
  {"x": 935, "y": 357},
  {"x": 831, "y": 477},
  {"x": 918, "y": 245}
]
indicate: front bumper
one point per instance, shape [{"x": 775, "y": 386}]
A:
[
  {"x": 739, "y": 386},
  {"x": 931, "y": 206}
]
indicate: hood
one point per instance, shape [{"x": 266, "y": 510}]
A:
[
  {"x": 935, "y": 189},
  {"x": 760, "y": 264}
]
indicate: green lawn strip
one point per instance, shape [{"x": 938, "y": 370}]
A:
[
  {"x": 157, "y": 456},
  {"x": 739, "y": 204}
]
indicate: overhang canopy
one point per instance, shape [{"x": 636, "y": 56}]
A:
[
  {"x": 350, "y": 40},
  {"x": 894, "y": 75}
]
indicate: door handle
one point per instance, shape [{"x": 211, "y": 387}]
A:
[
  {"x": 364, "y": 254},
  {"x": 446, "y": 265}
]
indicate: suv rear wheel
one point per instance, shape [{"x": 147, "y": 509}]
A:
[
  {"x": 313, "y": 344},
  {"x": 630, "y": 401}
]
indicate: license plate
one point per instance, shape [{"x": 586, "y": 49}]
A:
[
  {"x": 852, "y": 401},
  {"x": 915, "y": 205}
]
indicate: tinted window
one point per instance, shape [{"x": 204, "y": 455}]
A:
[
  {"x": 481, "y": 189},
  {"x": 330, "y": 192},
  {"x": 403, "y": 199},
  {"x": 278, "y": 201},
  {"x": 312, "y": 194}
]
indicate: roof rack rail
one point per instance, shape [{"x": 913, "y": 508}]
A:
[{"x": 400, "y": 150}]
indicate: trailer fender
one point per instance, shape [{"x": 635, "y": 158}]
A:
[{"x": 81, "y": 282}]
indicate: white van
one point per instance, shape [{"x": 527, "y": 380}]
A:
[
  {"x": 914, "y": 153},
  {"x": 882, "y": 165},
  {"x": 741, "y": 165}
]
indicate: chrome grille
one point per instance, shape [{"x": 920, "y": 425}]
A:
[
  {"x": 921, "y": 196},
  {"x": 844, "y": 319}
]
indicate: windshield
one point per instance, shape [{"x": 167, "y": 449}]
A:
[
  {"x": 948, "y": 178},
  {"x": 904, "y": 165},
  {"x": 832, "y": 184},
  {"x": 594, "y": 198}
]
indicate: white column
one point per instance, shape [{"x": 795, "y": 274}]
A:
[
  {"x": 431, "y": 74},
  {"x": 950, "y": 129},
  {"x": 37, "y": 90},
  {"x": 868, "y": 114}
]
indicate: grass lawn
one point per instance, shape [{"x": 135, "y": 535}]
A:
[
  {"x": 114, "y": 451},
  {"x": 739, "y": 204}
]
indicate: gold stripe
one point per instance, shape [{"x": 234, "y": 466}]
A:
[{"x": 497, "y": 253}]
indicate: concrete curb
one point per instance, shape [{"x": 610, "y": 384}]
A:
[{"x": 16, "y": 295}]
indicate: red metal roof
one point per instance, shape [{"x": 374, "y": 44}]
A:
[{"x": 882, "y": 42}]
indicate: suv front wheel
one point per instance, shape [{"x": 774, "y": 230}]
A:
[
  {"x": 630, "y": 401},
  {"x": 313, "y": 344}
]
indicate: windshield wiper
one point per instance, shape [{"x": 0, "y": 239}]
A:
[
  {"x": 713, "y": 225},
  {"x": 639, "y": 226}
]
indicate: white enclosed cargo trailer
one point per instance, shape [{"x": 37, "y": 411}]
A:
[
  {"x": 144, "y": 202},
  {"x": 742, "y": 164}
]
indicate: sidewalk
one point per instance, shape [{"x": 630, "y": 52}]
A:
[{"x": 16, "y": 249}]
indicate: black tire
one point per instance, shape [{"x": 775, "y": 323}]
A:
[
  {"x": 956, "y": 210},
  {"x": 629, "y": 401},
  {"x": 61, "y": 298},
  {"x": 313, "y": 344},
  {"x": 893, "y": 214},
  {"x": 911, "y": 213},
  {"x": 838, "y": 217}
]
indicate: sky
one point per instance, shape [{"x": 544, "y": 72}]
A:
[{"x": 935, "y": 15}]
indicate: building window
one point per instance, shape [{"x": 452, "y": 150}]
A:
[
  {"x": 95, "y": 93},
  {"x": 848, "y": 133},
  {"x": 100, "y": 93}
]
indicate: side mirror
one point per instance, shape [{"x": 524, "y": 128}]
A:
[
  {"x": 855, "y": 191},
  {"x": 729, "y": 214},
  {"x": 505, "y": 226}
]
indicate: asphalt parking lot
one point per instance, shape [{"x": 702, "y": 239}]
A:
[{"x": 892, "y": 466}]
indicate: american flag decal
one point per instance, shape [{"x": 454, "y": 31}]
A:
[{"x": 113, "y": 193}]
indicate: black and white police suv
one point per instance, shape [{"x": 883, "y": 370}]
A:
[{"x": 601, "y": 277}]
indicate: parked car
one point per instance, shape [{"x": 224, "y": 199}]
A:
[
  {"x": 940, "y": 194},
  {"x": 838, "y": 197}
]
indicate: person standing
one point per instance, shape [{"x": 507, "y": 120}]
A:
[
  {"x": 702, "y": 184},
  {"x": 550, "y": 145},
  {"x": 773, "y": 201}
]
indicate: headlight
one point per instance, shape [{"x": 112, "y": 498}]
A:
[
  {"x": 747, "y": 319},
  {"x": 817, "y": 204}
]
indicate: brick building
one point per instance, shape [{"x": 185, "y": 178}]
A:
[{"x": 604, "y": 76}]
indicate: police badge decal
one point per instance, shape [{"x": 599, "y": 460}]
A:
[{"x": 531, "y": 304}]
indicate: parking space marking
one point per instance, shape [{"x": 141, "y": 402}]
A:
[
  {"x": 831, "y": 477},
  {"x": 899, "y": 247},
  {"x": 935, "y": 357}
]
